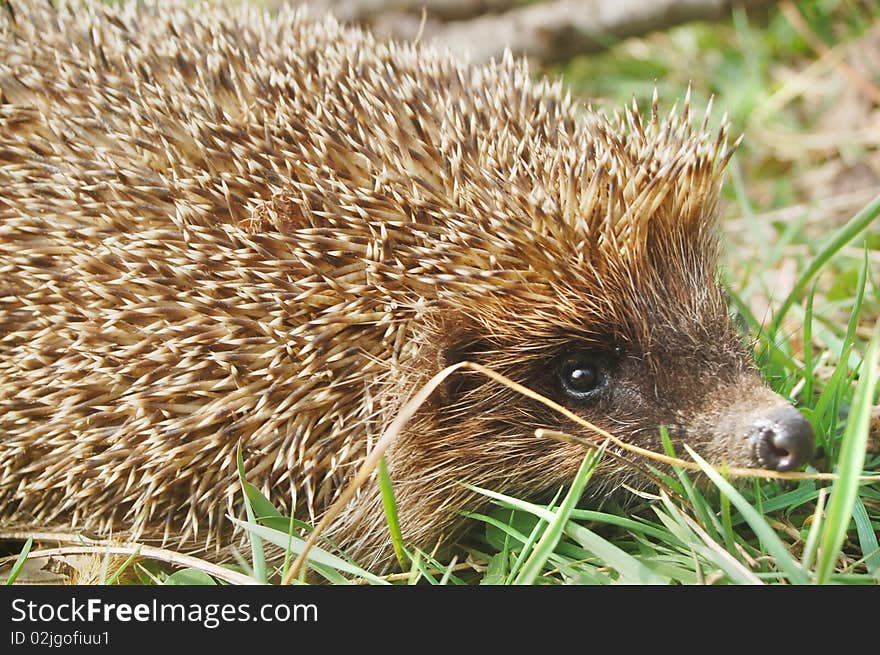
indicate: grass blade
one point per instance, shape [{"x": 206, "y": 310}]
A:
[
  {"x": 19, "y": 561},
  {"x": 390, "y": 506},
  {"x": 447, "y": 573},
  {"x": 694, "y": 497},
  {"x": 547, "y": 543},
  {"x": 812, "y": 541},
  {"x": 528, "y": 546},
  {"x": 190, "y": 577},
  {"x": 867, "y": 537},
  {"x": 847, "y": 232},
  {"x": 638, "y": 527},
  {"x": 808, "y": 346},
  {"x": 316, "y": 554},
  {"x": 852, "y": 459},
  {"x": 257, "y": 555},
  {"x": 119, "y": 571},
  {"x": 631, "y": 570}
]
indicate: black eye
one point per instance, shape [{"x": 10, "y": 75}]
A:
[{"x": 580, "y": 375}]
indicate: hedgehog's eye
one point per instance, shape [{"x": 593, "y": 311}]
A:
[{"x": 580, "y": 375}]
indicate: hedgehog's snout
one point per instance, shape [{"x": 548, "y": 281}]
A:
[{"x": 782, "y": 439}]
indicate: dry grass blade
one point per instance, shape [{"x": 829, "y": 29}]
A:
[{"x": 150, "y": 552}]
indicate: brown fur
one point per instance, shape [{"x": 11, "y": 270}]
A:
[{"x": 218, "y": 227}]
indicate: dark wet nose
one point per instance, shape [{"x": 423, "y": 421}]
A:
[{"x": 782, "y": 439}]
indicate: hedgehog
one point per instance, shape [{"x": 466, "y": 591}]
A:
[{"x": 223, "y": 228}]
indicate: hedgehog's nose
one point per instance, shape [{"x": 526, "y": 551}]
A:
[{"x": 782, "y": 439}]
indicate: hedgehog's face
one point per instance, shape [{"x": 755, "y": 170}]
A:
[
  {"x": 688, "y": 371},
  {"x": 712, "y": 400}
]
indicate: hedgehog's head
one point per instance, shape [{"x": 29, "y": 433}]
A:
[{"x": 598, "y": 289}]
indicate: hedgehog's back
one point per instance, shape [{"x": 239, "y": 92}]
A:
[
  {"x": 135, "y": 116},
  {"x": 157, "y": 305}
]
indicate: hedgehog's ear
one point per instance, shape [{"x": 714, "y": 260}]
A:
[
  {"x": 448, "y": 336},
  {"x": 463, "y": 349},
  {"x": 460, "y": 382}
]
